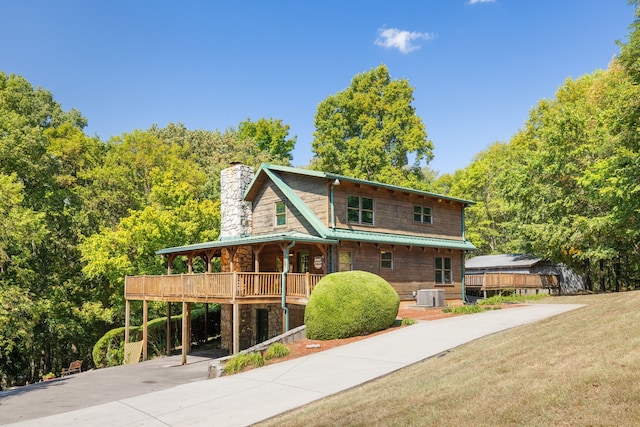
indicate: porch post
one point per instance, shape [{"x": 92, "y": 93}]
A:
[
  {"x": 145, "y": 329},
  {"x": 185, "y": 338},
  {"x": 170, "y": 264},
  {"x": 235, "y": 316},
  {"x": 236, "y": 328},
  {"x": 189, "y": 331},
  {"x": 127, "y": 320},
  {"x": 256, "y": 257},
  {"x": 206, "y": 322},
  {"x": 169, "y": 328}
]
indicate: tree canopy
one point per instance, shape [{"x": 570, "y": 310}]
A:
[{"x": 371, "y": 131}]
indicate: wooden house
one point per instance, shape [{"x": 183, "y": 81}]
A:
[{"x": 284, "y": 228}]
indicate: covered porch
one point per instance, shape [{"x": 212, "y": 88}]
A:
[{"x": 277, "y": 270}]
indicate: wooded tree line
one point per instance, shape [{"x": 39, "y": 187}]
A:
[
  {"x": 78, "y": 214},
  {"x": 566, "y": 186}
]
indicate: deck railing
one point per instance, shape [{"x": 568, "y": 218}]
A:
[
  {"x": 510, "y": 280},
  {"x": 218, "y": 286}
]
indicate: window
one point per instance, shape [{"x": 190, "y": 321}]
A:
[
  {"x": 386, "y": 260},
  {"x": 281, "y": 214},
  {"x": 422, "y": 214},
  {"x": 345, "y": 261},
  {"x": 360, "y": 210},
  {"x": 443, "y": 270}
]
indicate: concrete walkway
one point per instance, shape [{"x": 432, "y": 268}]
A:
[{"x": 258, "y": 394}]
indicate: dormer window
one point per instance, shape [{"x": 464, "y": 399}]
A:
[
  {"x": 281, "y": 214},
  {"x": 360, "y": 210}
]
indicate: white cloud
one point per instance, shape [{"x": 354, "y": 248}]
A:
[
  {"x": 393, "y": 38},
  {"x": 481, "y": 1}
]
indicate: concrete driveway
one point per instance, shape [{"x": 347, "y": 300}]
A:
[{"x": 162, "y": 392}]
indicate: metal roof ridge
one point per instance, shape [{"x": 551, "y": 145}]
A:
[{"x": 330, "y": 175}]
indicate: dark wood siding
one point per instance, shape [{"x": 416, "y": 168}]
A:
[
  {"x": 313, "y": 192},
  {"x": 413, "y": 267},
  {"x": 264, "y": 213},
  {"x": 393, "y": 212}
]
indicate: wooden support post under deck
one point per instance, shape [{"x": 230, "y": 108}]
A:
[
  {"x": 127, "y": 320},
  {"x": 185, "y": 333},
  {"x": 169, "y": 328},
  {"x": 145, "y": 329},
  {"x": 189, "y": 332},
  {"x": 236, "y": 328},
  {"x": 206, "y": 322}
]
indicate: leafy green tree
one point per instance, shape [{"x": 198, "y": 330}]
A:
[
  {"x": 370, "y": 130},
  {"x": 576, "y": 189},
  {"x": 490, "y": 222},
  {"x": 270, "y": 136},
  {"x": 215, "y": 150}
]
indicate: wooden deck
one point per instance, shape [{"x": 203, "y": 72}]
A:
[
  {"x": 502, "y": 281},
  {"x": 238, "y": 287}
]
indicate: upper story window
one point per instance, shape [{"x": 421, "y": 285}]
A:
[
  {"x": 386, "y": 260},
  {"x": 360, "y": 210},
  {"x": 422, "y": 214},
  {"x": 281, "y": 214},
  {"x": 443, "y": 271}
]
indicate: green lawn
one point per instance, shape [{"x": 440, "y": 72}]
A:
[{"x": 578, "y": 368}]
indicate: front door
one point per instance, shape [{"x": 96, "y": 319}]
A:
[
  {"x": 262, "y": 325},
  {"x": 303, "y": 262}
]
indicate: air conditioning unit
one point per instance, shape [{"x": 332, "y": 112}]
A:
[{"x": 430, "y": 298}]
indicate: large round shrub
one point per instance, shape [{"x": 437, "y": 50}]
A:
[{"x": 348, "y": 304}]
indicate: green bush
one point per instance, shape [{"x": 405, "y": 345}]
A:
[
  {"x": 348, "y": 304},
  {"x": 464, "y": 309},
  {"x": 276, "y": 351},
  {"x": 408, "y": 322},
  {"x": 512, "y": 299},
  {"x": 241, "y": 361}
]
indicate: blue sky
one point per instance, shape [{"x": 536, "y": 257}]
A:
[{"x": 477, "y": 67}]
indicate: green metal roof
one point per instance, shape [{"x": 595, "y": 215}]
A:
[
  {"x": 332, "y": 176},
  {"x": 325, "y": 234},
  {"x": 399, "y": 239},
  {"x": 247, "y": 240}
]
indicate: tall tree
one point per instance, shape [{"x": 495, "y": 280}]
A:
[
  {"x": 271, "y": 136},
  {"x": 490, "y": 222},
  {"x": 576, "y": 188},
  {"x": 370, "y": 130}
]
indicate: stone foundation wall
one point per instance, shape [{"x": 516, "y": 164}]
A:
[{"x": 248, "y": 323}]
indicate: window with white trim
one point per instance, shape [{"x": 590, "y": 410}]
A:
[
  {"x": 281, "y": 214},
  {"x": 443, "y": 271},
  {"x": 345, "y": 261},
  {"x": 422, "y": 214},
  {"x": 360, "y": 210},
  {"x": 386, "y": 260}
]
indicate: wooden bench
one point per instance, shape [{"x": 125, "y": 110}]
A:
[{"x": 74, "y": 367}]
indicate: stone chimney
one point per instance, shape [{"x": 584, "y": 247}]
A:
[{"x": 236, "y": 214}]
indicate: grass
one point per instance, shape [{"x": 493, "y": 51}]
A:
[
  {"x": 276, "y": 351},
  {"x": 579, "y": 368}
]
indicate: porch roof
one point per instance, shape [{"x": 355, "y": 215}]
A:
[
  {"x": 334, "y": 237},
  {"x": 245, "y": 241},
  {"x": 399, "y": 239}
]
